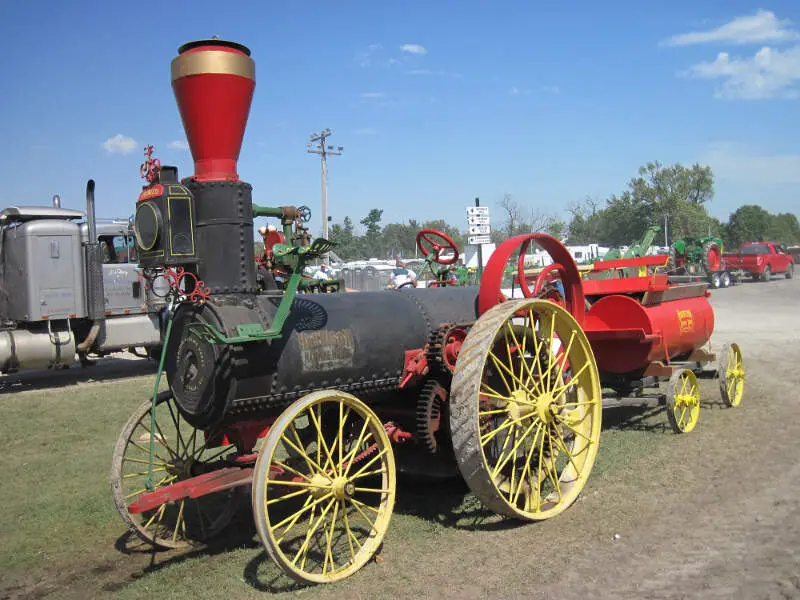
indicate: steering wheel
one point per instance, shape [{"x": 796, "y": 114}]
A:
[
  {"x": 438, "y": 242},
  {"x": 304, "y": 213},
  {"x": 546, "y": 276}
]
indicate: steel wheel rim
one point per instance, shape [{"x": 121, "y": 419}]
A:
[
  {"x": 683, "y": 401},
  {"x": 731, "y": 375},
  {"x": 336, "y": 504},
  {"x": 177, "y": 524},
  {"x": 536, "y": 437}
]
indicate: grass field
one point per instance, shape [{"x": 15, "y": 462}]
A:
[{"x": 683, "y": 507}]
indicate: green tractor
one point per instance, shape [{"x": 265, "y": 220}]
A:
[{"x": 699, "y": 257}]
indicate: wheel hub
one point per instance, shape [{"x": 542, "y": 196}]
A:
[
  {"x": 320, "y": 485},
  {"x": 343, "y": 488},
  {"x": 520, "y": 405},
  {"x": 544, "y": 407}
]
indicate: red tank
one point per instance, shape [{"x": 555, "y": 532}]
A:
[{"x": 626, "y": 336}]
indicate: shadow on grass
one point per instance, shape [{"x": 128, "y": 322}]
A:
[
  {"x": 241, "y": 533},
  {"x": 106, "y": 369}
]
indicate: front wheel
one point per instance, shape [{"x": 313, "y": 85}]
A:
[
  {"x": 324, "y": 487},
  {"x": 790, "y": 272},
  {"x": 725, "y": 279},
  {"x": 767, "y": 274}
]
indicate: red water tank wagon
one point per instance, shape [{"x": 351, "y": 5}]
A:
[{"x": 626, "y": 336}]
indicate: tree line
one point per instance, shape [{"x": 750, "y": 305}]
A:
[{"x": 672, "y": 196}]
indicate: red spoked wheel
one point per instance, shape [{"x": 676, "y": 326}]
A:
[
  {"x": 490, "y": 293},
  {"x": 437, "y": 242}
]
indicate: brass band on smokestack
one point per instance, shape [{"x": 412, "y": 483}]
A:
[{"x": 213, "y": 82}]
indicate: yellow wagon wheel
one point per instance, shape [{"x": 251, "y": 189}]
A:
[
  {"x": 525, "y": 409},
  {"x": 683, "y": 401},
  {"x": 180, "y": 452},
  {"x": 324, "y": 487},
  {"x": 731, "y": 374}
]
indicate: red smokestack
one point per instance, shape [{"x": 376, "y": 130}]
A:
[{"x": 213, "y": 81}]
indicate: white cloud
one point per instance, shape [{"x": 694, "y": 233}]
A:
[
  {"x": 761, "y": 27},
  {"x": 179, "y": 145},
  {"x": 413, "y": 49},
  {"x": 733, "y": 163},
  {"x": 367, "y": 131},
  {"x": 372, "y": 95},
  {"x": 366, "y": 58},
  {"x": 550, "y": 89},
  {"x": 515, "y": 91},
  {"x": 120, "y": 144},
  {"x": 770, "y": 73}
]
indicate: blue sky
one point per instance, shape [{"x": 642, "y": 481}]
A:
[{"x": 436, "y": 102}]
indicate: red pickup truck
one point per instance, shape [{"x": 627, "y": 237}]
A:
[{"x": 760, "y": 260}]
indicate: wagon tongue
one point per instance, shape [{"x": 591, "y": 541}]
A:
[{"x": 213, "y": 81}]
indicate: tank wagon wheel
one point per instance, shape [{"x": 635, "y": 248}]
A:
[
  {"x": 683, "y": 401},
  {"x": 180, "y": 452},
  {"x": 324, "y": 487},
  {"x": 438, "y": 242},
  {"x": 525, "y": 410},
  {"x": 730, "y": 371}
]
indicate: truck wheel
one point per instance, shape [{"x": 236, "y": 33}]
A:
[
  {"x": 715, "y": 280},
  {"x": 767, "y": 274},
  {"x": 790, "y": 272},
  {"x": 725, "y": 279}
]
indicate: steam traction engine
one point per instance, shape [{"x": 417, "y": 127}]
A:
[{"x": 302, "y": 396}]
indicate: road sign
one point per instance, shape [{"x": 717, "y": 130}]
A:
[
  {"x": 480, "y": 230},
  {"x": 477, "y": 210},
  {"x": 480, "y": 239},
  {"x": 478, "y": 219}
]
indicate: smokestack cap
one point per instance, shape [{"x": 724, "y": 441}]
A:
[{"x": 214, "y": 42}]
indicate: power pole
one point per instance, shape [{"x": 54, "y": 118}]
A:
[{"x": 317, "y": 145}]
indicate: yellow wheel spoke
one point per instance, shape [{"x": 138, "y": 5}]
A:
[
  {"x": 304, "y": 548},
  {"x": 287, "y": 496},
  {"x": 329, "y": 540},
  {"x": 321, "y": 438},
  {"x": 357, "y": 505},
  {"x": 527, "y": 468},
  {"x": 304, "y": 509},
  {"x": 294, "y": 518},
  {"x": 359, "y": 440},
  {"x": 369, "y": 463},
  {"x": 514, "y": 449}
]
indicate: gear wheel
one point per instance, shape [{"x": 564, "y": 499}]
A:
[
  {"x": 444, "y": 345},
  {"x": 429, "y": 413}
]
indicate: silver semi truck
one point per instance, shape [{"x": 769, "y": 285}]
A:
[{"x": 71, "y": 289}]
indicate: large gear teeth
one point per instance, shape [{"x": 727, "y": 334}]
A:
[{"x": 429, "y": 413}]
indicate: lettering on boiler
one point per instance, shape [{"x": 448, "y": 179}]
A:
[{"x": 686, "y": 320}]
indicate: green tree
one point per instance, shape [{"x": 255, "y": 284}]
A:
[{"x": 372, "y": 237}]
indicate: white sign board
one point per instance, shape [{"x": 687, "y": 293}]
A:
[
  {"x": 477, "y": 210},
  {"x": 478, "y": 219},
  {"x": 480, "y": 239},
  {"x": 480, "y": 230}
]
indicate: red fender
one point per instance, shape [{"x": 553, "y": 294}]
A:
[{"x": 489, "y": 294}]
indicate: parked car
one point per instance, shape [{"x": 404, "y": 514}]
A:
[{"x": 760, "y": 260}]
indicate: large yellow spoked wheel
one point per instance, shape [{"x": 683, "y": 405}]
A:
[
  {"x": 525, "y": 409},
  {"x": 731, "y": 375},
  {"x": 324, "y": 487},
  {"x": 180, "y": 452},
  {"x": 683, "y": 401}
]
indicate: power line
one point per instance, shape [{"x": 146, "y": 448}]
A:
[{"x": 317, "y": 145}]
